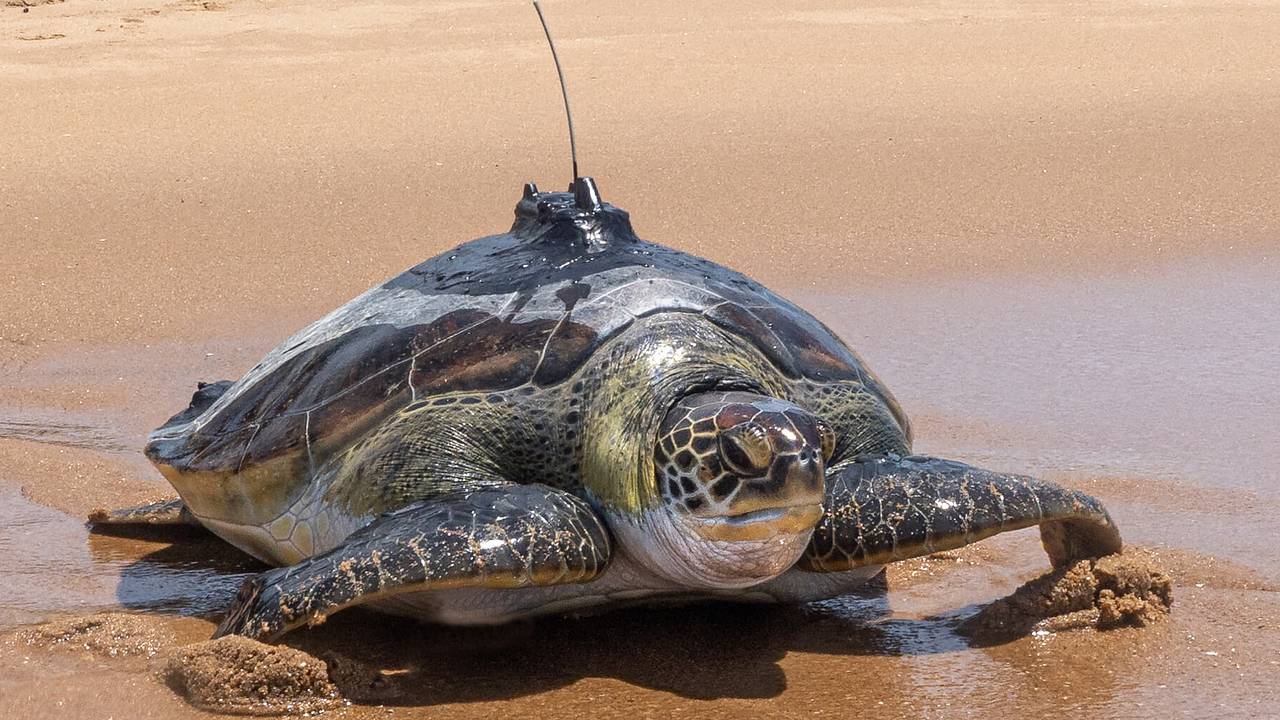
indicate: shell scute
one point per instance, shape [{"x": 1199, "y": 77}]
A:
[
  {"x": 570, "y": 344},
  {"x": 816, "y": 351},
  {"x": 735, "y": 318},
  {"x": 493, "y": 354}
]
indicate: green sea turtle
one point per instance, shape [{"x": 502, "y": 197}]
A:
[{"x": 565, "y": 416}]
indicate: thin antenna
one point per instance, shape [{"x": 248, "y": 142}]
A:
[{"x": 573, "y": 145}]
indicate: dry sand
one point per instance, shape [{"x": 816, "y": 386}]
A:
[{"x": 1051, "y": 227}]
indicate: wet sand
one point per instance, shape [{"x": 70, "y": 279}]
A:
[{"x": 1052, "y": 229}]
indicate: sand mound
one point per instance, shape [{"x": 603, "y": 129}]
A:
[
  {"x": 1126, "y": 589},
  {"x": 239, "y": 676},
  {"x": 109, "y": 634}
]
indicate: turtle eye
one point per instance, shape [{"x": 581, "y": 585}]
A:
[
  {"x": 828, "y": 437},
  {"x": 745, "y": 449}
]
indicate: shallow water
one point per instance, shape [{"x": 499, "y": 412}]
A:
[
  {"x": 60, "y": 433},
  {"x": 1164, "y": 389},
  {"x": 1170, "y": 374},
  {"x": 1159, "y": 393},
  {"x": 52, "y": 566}
]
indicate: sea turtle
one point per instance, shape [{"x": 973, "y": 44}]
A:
[{"x": 566, "y": 416}]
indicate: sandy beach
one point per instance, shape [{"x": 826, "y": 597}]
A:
[{"x": 1053, "y": 229}]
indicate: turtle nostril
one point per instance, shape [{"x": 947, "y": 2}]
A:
[{"x": 806, "y": 471}]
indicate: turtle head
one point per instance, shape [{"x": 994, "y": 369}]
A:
[{"x": 741, "y": 481}]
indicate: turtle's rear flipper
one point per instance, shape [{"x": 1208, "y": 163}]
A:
[
  {"x": 884, "y": 509},
  {"x": 165, "y": 512},
  {"x": 507, "y": 537}
]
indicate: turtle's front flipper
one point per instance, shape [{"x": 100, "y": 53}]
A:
[
  {"x": 165, "y": 512},
  {"x": 507, "y": 537},
  {"x": 885, "y": 509}
]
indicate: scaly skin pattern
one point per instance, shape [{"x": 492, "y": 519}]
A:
[
  {"x": 165, "y": 512},
  {"x": 885, "y": 509},
  {"x": 512, "y": 537},
  {"x": 768, "y": 438}
]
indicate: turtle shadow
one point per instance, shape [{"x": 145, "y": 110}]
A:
[
  {"x": 175, "y": 570},
  {"x": 697, "y": 652},
  {"x": 704, "y": 651},
  {"x": 700, "y": 651}
]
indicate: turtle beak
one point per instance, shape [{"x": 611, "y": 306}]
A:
[{"x": 762, "y": 524}]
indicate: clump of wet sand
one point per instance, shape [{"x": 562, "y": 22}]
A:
[
  {"x": 236, "y": 675},
  {"x": 1121, "y": 590},
  {"x": 239, "y": 676},
  {"x": 108, "y": 634}
]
